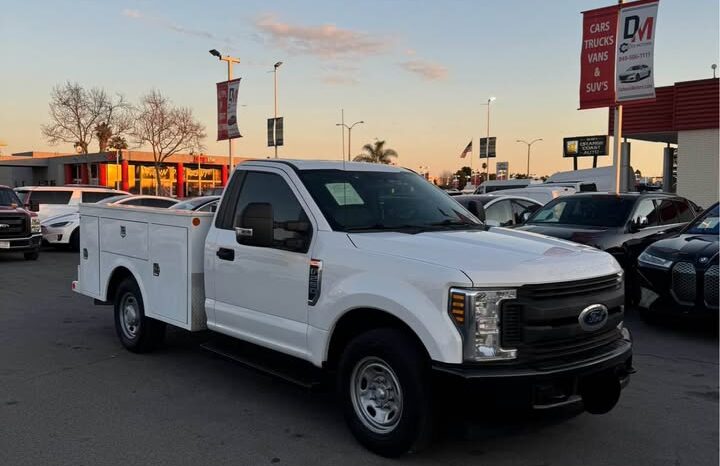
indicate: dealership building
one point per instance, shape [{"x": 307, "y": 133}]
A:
[
  {"x": 181, "y": 175},
  {"x": 685, "y": 115}
]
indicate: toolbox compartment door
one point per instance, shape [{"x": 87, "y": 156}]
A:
[
  {"x": 167, "y": 282},
  {"x": 89, "y": 268}
]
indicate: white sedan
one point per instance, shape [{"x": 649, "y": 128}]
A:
[
  {"x": 64, "y": 229},
  {"x": 501, "y": 210}
]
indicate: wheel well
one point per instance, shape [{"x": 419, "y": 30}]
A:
[
  {"x": 359, "y": 321},
  {"x": 117, "y": 277}
]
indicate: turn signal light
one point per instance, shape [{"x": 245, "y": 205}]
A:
[{"x": 457, "y": 308}]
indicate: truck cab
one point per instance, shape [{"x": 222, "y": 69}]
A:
[
  {"x": 19, "y": 228},
  {"x": 371, "y": 274}
]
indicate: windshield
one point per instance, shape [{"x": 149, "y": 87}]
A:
[
  {"x": 111, "y": 199},
  {"x": 8, "y": 197},
  {"x": 598, "y": 211},
  {"x": 706, "y": 224},
  {"x": 192, "y": 204},
  {"x": 376, "y": 201}
]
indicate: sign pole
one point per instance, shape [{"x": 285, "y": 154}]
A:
[
  {"x": 617, "y": 140},
  {"x": 487, "y": 146},
  {"x": 230, "y": 141}
]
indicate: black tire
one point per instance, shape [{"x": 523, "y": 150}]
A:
[
  {"x": 637, "y": 77},
  {"x": 409, "y": 366},
  {"x": 75, "y": 240},
  {"x": 136, "y": 332},
  {"x": 31, "y": 256}
]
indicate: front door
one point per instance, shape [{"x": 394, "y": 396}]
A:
[{"x": 261, "y": 293}]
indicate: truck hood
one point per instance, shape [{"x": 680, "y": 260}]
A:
[
  {"x": 686, "y": 246},
  {"x": 497, "y": 257}
]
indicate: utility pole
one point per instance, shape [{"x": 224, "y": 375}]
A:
[
  {"x": 230, "y": 61},
  {"x": 487, "y": 141},
  {"x": 349, "y": 128}
]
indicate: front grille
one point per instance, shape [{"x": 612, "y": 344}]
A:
[
  {"x": 543, "y": 322},
  {"x": 711, "y": 287},
  {"x": 574, "y": 288},
  {"x": 13, "y": 226},
  {"x": 684, "y": 284}
]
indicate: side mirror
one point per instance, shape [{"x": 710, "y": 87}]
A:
[
  {"x": 256, "y": 225},
  {"x": 526, "y": 216},
  {"x": 476, "y": 208},
  {"x": 32, "y": 207}
]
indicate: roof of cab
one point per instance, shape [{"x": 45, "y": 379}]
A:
[{"x": 323, "y": 165}]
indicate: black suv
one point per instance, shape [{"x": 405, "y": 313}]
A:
[{"x": 622, "y": 224}]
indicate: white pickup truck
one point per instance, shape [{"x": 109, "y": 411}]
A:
[{"x": 376, "y": 276}]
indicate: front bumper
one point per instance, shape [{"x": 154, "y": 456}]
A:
[
  {"x": 538, "y": 387},
  {"x": 60, "y": 235},
  {"x": 657, "y": 296},
  {"x": 26, "y": 244}
]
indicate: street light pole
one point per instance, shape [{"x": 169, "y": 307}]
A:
[
  {"x": 487, "y": 141},
  {"x": 529, "y": 144},
  {"x": 230, "y": 61},
  {"x": 349, "y": 128},
  {"x": 275, "y": 71}
]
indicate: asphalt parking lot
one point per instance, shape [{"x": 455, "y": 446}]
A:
[{"x": 70, "y": 395}]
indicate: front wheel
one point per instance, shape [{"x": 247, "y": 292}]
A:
[
  {"x": 384, "y": 385},
  {"x": 137, "y": 333},
  {"x": 31, "y": 256}
]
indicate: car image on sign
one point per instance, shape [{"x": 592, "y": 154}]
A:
[{"x": 635, "y": 73}]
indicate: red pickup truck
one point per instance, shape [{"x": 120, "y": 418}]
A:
[{"x": 19, "y": 228}]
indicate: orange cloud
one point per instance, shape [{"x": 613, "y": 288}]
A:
[{"x": 425, "y": 69}]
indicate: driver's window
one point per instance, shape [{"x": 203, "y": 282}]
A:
[
  {"x": 646, "y": 210},
  {"x": 261, "y": 187},
  {"x": 499, "y": 214}
]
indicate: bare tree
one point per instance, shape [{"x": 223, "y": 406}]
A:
[
  {"x": 77, "y": 113},
  {"x": 166, "y": 129}
]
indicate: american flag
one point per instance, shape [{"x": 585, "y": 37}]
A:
[{"x": 467, "y": 150}]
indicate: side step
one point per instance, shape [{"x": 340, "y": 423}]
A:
[{"x": 266, "y": 361}]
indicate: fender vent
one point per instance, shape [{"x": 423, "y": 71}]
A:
[{"x": 315, "y": 281}]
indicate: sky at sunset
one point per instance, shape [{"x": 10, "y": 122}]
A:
[{"x": 418, "y": 72}]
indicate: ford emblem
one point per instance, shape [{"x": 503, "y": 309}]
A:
[
  {"x": 593, "y": 317},
  {"x": 703, "y": 260}
]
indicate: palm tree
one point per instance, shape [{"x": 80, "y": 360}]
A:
[{"x": 376, "y": 153}]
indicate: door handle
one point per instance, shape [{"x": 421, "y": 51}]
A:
[{"x": 226, "y": 254}]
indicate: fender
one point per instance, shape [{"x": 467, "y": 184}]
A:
[
  {"x": 116, "y": 263},
  {"x": 422, "y": 310}
]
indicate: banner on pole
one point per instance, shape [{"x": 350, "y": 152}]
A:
[
  {"x": 597, "y": 58},
  {"x": 227, "y": 94},
  {"x": 485, "y": 147},
  {"x": 636, "y": 40},
  {"x": 275, "y": 131}
]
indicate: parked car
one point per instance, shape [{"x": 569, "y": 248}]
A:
[
  {"x": 498, "y": 185},
  {"x": 198, "y": 204},
  {"x": 19, "y": 227},
  {"x": 600, "y": 179},
  {"x": 500, "y": 210},
  {"x": 372, "y": 273},
  {"x": 64, "y": 229},
  {"x": 634, "y": 73},
  {"x": 541, "y": 193},
  {"x": 679, "y": 275},
  {"x": 49, "y": 201},
  {"x": 621, "y": 224}
]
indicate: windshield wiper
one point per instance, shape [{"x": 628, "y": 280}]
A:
[{"x": 457, "y": 223}]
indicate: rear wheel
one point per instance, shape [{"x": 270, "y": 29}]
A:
[
  {"x": 137, "y": 333},
  {"x": 384, "y": 385}
]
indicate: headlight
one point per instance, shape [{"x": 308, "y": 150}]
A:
[
  {"x": 654, "y": 261},
  {"x": 35, "y": 225},
  {"x": 59, "y": 224},
  {"x": 476, "y": 312}
]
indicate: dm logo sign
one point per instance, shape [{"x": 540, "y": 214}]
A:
[{"x": 593, "y": 317}]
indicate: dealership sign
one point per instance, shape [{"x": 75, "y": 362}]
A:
[
  {"x": 227, "y": 94},
  {"x": 636, "y": 37},
  {"x": 585, "y": 146},
  {"x": 616, "y": 61}
]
